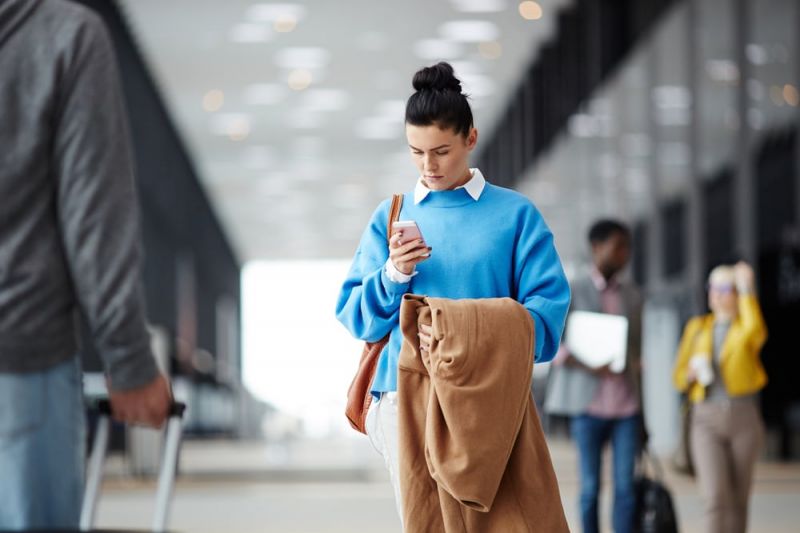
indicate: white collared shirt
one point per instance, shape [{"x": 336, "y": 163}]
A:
[{"x": 474, "y": 188}]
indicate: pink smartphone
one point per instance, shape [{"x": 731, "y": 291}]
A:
[{"x": 409, "y": 228}]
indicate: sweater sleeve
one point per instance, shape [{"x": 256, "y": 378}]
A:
[
  {"x": 540, "y": 282},
  {"x": 97, "y": 207},
  {"x": 369, "y": 301}
]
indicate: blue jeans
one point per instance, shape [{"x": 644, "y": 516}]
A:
[
  {"x": 42, "y": 448},
  {"x": 591, "y": 434}
]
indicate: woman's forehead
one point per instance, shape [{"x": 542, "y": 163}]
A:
[{"x": 429, "y": 137}]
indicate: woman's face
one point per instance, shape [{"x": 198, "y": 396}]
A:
[
  {"x": 722, "y": 297},
  {"x": 441, "y": 155}
]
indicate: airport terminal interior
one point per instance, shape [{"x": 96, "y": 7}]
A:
[{"x": 266, "y": 133}]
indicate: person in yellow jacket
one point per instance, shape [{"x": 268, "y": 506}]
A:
[{"x": 719, "y": 367}]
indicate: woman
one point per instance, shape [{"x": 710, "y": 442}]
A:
[
  {"x": 478, "y": 241},
  {"x": 719, "y": 366}
]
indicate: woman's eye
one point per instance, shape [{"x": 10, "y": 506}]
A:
[{"x": 442, "y": 153}]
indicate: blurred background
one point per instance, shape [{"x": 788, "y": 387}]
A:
[{"x": 265, "y": 135}]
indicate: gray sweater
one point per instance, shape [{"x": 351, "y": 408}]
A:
[{"x": 69, "y": 233}]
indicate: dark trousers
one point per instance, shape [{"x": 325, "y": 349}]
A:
[{"x": 591, "y": 435}]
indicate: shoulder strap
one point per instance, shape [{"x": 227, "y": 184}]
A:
[{"x": 394, "y": 213}]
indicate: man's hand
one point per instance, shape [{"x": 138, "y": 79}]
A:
[{"x": 144, "y": 406}]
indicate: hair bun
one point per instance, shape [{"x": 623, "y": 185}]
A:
[{"x": 439, "y": 77}]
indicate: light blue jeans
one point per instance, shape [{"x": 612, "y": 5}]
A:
[{"x": 42, "y": 448}]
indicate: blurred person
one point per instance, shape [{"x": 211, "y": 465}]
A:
[
  {"x": 69, "y": 242},
  {"x": 719, "y": 367},
  {"x": 603, "y": 406},
  {"x": 478, "y": 241}
]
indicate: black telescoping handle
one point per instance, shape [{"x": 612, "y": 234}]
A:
[{"x": 175, "y": 409}]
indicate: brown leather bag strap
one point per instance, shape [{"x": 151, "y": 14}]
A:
[{"x": 394, "y": 213}]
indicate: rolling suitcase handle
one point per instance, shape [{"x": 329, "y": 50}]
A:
[{"x": 166, "y": 477}]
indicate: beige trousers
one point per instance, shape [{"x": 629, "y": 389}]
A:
[{"x": 726, "y": 439}]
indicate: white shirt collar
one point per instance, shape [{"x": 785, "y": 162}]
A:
[{"x": 474, "y": 187}]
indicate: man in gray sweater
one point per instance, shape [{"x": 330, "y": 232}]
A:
[{"x": 69, "y": 243}]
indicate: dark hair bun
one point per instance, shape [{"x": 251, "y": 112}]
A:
[{"x": 439, "y": 77}]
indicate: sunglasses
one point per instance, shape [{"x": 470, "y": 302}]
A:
[{"x": 721, "y": 288}]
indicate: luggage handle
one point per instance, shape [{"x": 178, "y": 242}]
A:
[{"x": 166, "y": 477}]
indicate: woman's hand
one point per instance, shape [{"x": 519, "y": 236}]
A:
[
  {"x": 405, "y": 257},
  {"x": 744, "y": 276},
  {"x": 425, "y": 333}
]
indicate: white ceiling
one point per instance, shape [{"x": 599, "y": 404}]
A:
[{"x": 297, "y": 173}]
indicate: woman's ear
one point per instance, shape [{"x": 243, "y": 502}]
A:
[{"x": 472, "y": 139}]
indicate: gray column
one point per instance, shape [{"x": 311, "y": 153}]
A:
[
  {"x": 744, "y": 205},
  {"x": 695, "y": 221}
]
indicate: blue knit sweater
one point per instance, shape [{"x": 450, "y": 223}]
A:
[{"x": 497, "y": 246}]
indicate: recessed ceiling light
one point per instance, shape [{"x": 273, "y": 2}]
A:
[
  {"x": 299, "y": 79},
  {"x": 275, "y": 12},
  {"x": 251, "y": 33},
  {"x": 530, "y": 10},
  {"x": 264, "y": 94},
  {"x": 285, "y": 24},
  {"x": 231, "y": 124},
  {"x": 479, "y": 6},
  {"x": 302, "y": 58},
  {"x": 490, "y": 49},
  {"x": 791, "y": 95},
  {"x": 436, "y": 49},
  {"x": 213, "y": 100},
  {"x": 469, "y": 31}
]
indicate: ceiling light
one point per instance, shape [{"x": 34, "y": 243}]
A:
[
  {"x": 471, "y": 31},
  {"x": 672, "y": 97},
  {"x": 231, "y": 124},
  {"x": 490, "y": 49},
  {"x": 791, "y": 95},
  {"x": 722, "y": 70},
  {"x": 302, "y": 58},
  {"x": 275, "y": 12},
  {"x": 285, "y": 24},
  {"x": 776, "y": 94},
  {"x": 213, "y": 100},
  {"x": 757, "y": 54},
  {"x": 530, "y": 10},
  {"x": 251, "y": 33},
  {"x": 299, "y": 79},
  {"x": 264, "y": 94},
  {"x": 437, "y": 49},
  {"x": 479, "y": 6}
]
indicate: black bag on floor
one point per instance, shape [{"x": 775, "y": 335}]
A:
[{"x": 655, "y": 512}]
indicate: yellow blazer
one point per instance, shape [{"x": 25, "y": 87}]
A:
[{"x": 740, "y": 360}]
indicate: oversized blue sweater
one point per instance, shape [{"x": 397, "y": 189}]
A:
[{"x": 497, "y": 246}]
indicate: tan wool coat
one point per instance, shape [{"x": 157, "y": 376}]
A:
[{"x": 473, "y": 457}]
